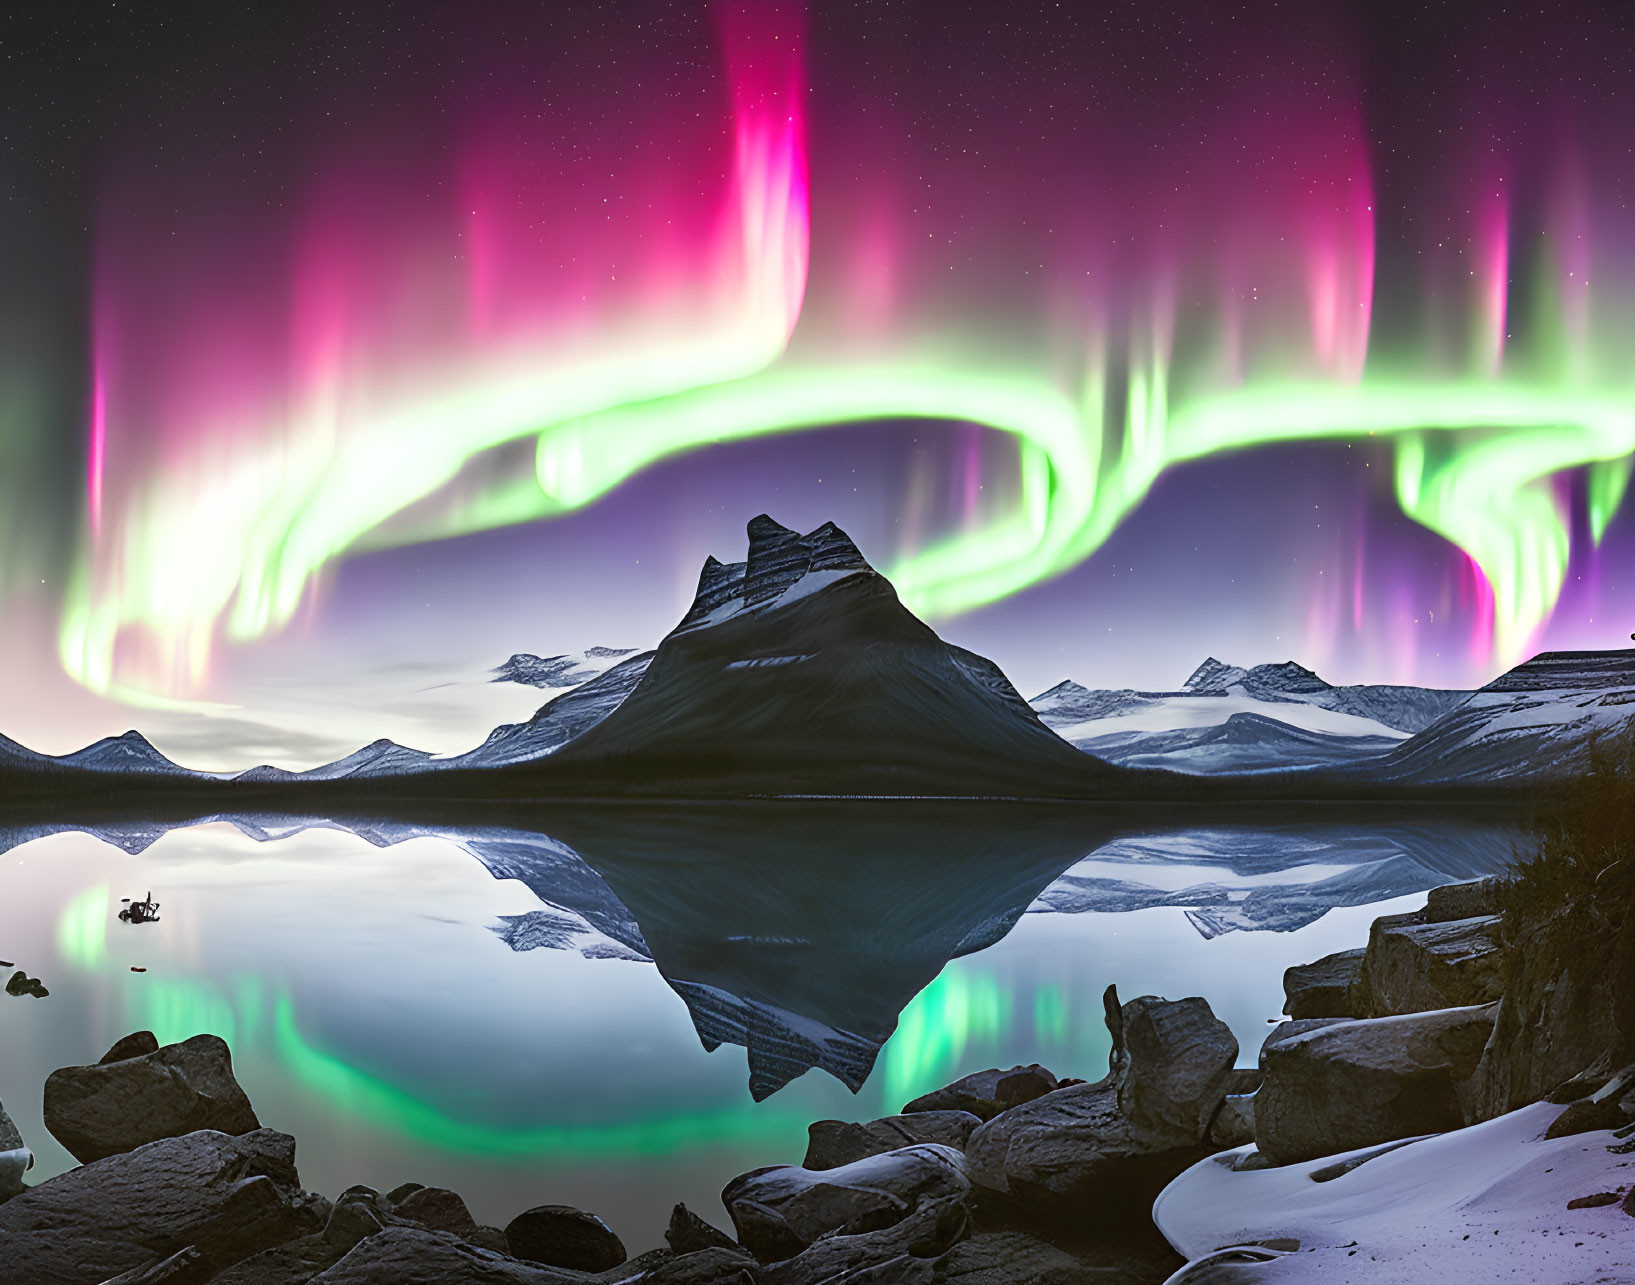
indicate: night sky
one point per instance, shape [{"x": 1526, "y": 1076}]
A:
[{"x": 347, "y": 349}]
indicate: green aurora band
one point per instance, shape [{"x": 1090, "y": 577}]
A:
[{"x": 1474, "y": 463}]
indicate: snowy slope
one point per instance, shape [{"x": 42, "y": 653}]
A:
[
  {"x": 1225, "y": 718},
  {"x": 558, "y": 721},
  {"x": 131, "y": 752},
  {"x": 1401, "y": 708},
  {"x": 1536, "y": 721}
]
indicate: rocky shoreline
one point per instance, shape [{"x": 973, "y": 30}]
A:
[{"x": 1424, "y": 1056}]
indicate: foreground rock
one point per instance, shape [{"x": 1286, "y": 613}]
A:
[
  {"x": 562, "y": 1236},
  {"x": 225, "y": 1197},
  {"x": 832, "y": 1143},
  {"x": 780, "y": 1211},
  {"x": 1102, "y": 1150},
  {"x": 401, "y": 1255},
  {"x": 985, "y": 1094},
  {"x": 1336, "y": 1086},
  {"x": 1327, "y": 988},
  {"x": 116, "y": 1106},
  {"x": 1413, "y": 965}
]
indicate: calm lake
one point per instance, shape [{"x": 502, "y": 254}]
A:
[{"x": 561, "y": 1014}]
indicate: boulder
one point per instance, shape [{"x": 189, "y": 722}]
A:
[
  {"x": 831, "y": 1143},
  {"x": 400, "y": 1255},
  {"x": 689, "y": 1234},
  {"x": 1180, "y": 1059},
  {"x": 1341, "y": 1086},
  {"x": 1413, "y": 966},
  {"x": 903, "y": 1253},
  {"x": 227, "y": 1197},
  {"x": 985, "y": 1094},
  {"x": 1075, "y": 1153},
  {"x": 112, "y": 1107},
  {"x": 1103, "y": 1150},
  {"x": 15, "y": 1158},
  {"x": 1557, "y": 1020},
  {"x": 780, "y": 1211},
  {"x": 1329, "y": 987},
  {"x": 562, "y": 1236},
  {"x": 439, "y": 1209},
  {"x": 1477, "y": 898}
]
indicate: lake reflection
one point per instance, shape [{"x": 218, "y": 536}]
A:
[{"x": 527, "y": 1017}]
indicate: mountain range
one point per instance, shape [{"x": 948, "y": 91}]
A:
[{"x": 798, "y": 672}]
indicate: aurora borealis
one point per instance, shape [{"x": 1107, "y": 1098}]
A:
[{"x": 423, "y": 295}]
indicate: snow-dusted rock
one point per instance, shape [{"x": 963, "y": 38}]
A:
[
  {"x": 1348, "y": 1084},
  {"x": 780, "y": 1211}
]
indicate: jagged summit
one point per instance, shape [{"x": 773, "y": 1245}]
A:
[
  {"x": 782, "y": 565},
  {"x": 1214, "y": 675},
  {"x": 1286, "y": 676}
]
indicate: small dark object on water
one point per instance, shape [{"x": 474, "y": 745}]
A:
[
  {"x": 6, "y": 963},
  {"x": 140, "y": 912},
  {"x": 22, "y": 984},
  {"x": 135, "y": 969}
]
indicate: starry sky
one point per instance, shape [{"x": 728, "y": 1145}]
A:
[{"x": 347, "y": 349}]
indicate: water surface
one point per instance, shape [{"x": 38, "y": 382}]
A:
[{"x": 621, "y": 1013}]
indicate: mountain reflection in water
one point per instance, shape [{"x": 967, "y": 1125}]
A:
[{"x": 387, "y": 1005}]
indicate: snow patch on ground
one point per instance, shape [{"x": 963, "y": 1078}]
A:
[{"x": 1487, "y": 1203}]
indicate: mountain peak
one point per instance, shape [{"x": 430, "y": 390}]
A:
[
  {"x": 779, "y": 559},
  {"x": 1214, "y": 676},
  {"x": 1288, "y": 676}
]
